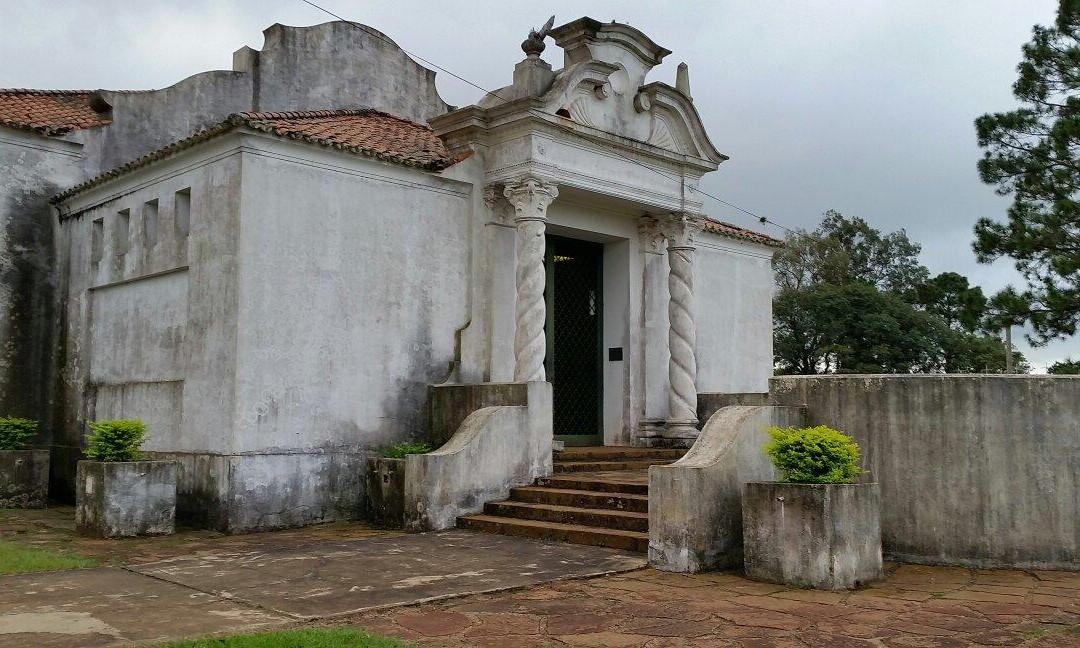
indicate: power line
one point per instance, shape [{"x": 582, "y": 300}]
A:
[{"x": 761, "y": 219}]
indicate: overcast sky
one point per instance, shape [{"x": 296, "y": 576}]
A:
[{"x": 861, "y": 106}]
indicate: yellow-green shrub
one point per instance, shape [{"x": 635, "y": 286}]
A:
[
  {"x": 816, "y": 455},
  {"x": 16, "y": 433},
  {"x": 115, "y": 440}
]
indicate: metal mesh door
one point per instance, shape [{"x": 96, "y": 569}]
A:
[{"x": 574, "y": 322}]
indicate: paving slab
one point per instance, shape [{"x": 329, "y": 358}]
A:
[
  {"x": 336, "y": 578},
  {"x": 106, "y": 606}
]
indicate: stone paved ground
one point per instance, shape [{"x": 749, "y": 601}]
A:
[
  {"x": 54, "y": 528},
  {"x": 916, "y": 607}
]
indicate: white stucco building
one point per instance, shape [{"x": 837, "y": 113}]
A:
[{"x": 281, "y": 265}]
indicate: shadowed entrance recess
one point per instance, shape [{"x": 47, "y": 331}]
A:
[{"x": 574, "y": 338}]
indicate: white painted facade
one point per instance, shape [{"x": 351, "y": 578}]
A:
[{"x": 276, "y": 310}]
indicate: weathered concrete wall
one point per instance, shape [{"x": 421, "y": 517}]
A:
[
  {"x": 825, "y": 536},
  {"x": 146, "y": 121},
  {"x": 150, "y": 313},
  {"x": 495, "y": 449},
  {"x": 710, "y": 403},
  {"x": 32, "y": 167},
  {"x": 125, "y": 499},
  {"x": 386, "y": 492},
  {"x": 322, "y": 67},
  {"x": 733, "y": 284},
  {"x": 695, "y": 504},
  {"x": 339, "y": 65},
  {"x": 974, "y": 470},
  {"x": 351, "y": 292},
  {"x": 24, "y": 478},
  {"x": 450, "y": 405}
]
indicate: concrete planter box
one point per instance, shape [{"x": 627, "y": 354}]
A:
[
  {"x": 24, "y": 478},
  {"x": 386, "y": 492},
  {"x": 825, "y": 536},
  {"x": 122, "y": 499}
]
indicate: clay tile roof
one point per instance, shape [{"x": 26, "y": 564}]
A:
[
  {"x": 733, "y": 231},
  {"x": 363, "y": 132},
  {"x": 50, "y": 112},
  {"x": 369, "y": 132}
]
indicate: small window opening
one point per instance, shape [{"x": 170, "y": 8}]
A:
[
  {"x": 563, "y": 112},
  {"x": 150, "y": 223},
  {"x": 122, "y": 232},
  {"x": 97, "y": 240},
  {"x": 182, "y": 211}
]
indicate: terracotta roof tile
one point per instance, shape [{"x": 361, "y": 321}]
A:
[
  {"x": 364, "y": 132},
  {"x": 50, "y": 112},
  {"x": 369, "y": 132},
  {"x": 734, "y": 231}
]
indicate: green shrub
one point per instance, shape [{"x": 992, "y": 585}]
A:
[
  {"x": 16, "y": 433},
  {"x": 817, "y": 455},
  {"x": 400, "y": 450},
  {"x": 115, "y": 440}
]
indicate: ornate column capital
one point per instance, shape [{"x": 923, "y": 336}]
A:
[
  {"x": 652, "y": 239},
  {"x": 680, "y": 229},
  {"x": 498, "y": 206},
  {"x": 530, "y": 197}
]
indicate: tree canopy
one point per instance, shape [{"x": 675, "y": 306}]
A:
[
  {"x": 1031, "y": 154},
  {"x": 852, "y": 299}
]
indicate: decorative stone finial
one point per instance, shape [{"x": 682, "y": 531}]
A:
[
  {"x": 534, "y": 44},
  {"x": 682, "y": 80}
]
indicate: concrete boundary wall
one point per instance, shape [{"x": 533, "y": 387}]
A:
[
  {"x": 494, "y": 449},
  {"x": 979, "y": 470},
  {"x": 695, "y": 504}
]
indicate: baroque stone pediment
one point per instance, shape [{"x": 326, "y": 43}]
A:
[{"x": 603, "y": 86}]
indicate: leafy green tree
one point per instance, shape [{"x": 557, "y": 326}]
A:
[
  {"x": 1033, "y": 154},
  {"x": 888, "y": 261},
  {"x": 1066, "y": 367},
  {"x": 854, "y": 328},
  {"x": 963, "y": 352},
  {"x": 804, "y": 330},
  {"x": 854, "y": 300},
  {"x": 844, "y": 250},
  {"x": 950, "y": 297}
]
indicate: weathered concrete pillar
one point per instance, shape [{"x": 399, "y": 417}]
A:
[
  {"x": 679, "y": 230},
  {"x": 530, "y": 197},
  {"x": 655, "y": 349}
]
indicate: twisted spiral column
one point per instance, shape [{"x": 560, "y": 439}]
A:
[
  {"x": 530, "y": 197},
  {"x": 679, "y": 230}
]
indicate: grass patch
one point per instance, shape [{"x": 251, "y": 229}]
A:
[
  {"x": 16, "y": 558},
  {"x": 314, "y": 638}
]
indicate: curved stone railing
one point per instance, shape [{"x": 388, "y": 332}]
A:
[
  {"x": 494, "y": 449},
  {"x": 695, "y": 504}
]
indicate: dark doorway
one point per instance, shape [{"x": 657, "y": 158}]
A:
[{"x": 575, "y": 338}]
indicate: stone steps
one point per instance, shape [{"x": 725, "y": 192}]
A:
[
  {"x": 604, "y": 518},
  {"x": 581, "y": 498},
  {"x": 586, "y": 535},
  {"x": 596, "y": 466},
  {"x": 617, "y": 453},
  {"x": 581, "y": 481},
  {"x": 597, "y": 496}
]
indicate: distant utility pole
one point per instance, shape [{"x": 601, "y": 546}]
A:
[{"x": 1008, "y": 349}]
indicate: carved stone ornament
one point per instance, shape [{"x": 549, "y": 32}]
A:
[
  {"x": 680, "y": 229},
  {"x": 652, "y": 239},
  {"x": 533, "y": 46}
]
